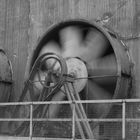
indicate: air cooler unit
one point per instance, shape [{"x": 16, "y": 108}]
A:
[
  {"x": 95, "y": 56},
  {"x": 96, "y": 61}
]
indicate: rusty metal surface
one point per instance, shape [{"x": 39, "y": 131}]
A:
[
  {"x": 5, "y": 77},
  {"x": 5, "y": 69}
]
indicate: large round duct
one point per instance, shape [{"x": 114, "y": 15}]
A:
[
  {"x": 102, "y": 46},
  {"x": 106, "y": 58}
]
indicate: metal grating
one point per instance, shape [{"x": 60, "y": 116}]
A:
[{"x": 122, "y": 122}]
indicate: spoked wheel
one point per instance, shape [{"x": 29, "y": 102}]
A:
[{"x": 51, "y": 71}]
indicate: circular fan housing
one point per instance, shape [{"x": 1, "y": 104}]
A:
[{"x": 106, "y": 58}]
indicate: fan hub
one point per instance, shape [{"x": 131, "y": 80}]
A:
[{"x": 77, "y": 69}]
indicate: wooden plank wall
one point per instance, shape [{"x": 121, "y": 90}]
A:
[
  {"x": 14, "y": 25},
  {"x": 123, "y": 18},
  {"x": 23, "y": 22}
]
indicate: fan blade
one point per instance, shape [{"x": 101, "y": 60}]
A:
[
  {"x": 50, "y": 47},
  {"x": 71, "y": 41},
  {"x": 103, "y": 70},
  {"x": 95, "y": 92},
  {"x": 54, "y": 109},
  {"x": 103, "y": 66},
  {"x": 95, "y": 45}
]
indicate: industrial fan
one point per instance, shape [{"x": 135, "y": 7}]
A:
[
  {"x": 85, "y": 51},
  {"x": 85, "y": 54},
  {"x": 96, "y": 58}
]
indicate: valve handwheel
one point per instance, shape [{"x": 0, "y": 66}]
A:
[{"x": 51, "y": 70}]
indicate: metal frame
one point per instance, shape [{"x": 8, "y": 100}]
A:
[
  {"x": 122, "y": 85},
  {"x": 123, "y": 120}
]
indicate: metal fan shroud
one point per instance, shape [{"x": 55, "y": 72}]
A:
[{"x": 109, "y": 71}]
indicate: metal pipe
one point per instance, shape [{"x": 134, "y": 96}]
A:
[
  {"x": 73, "y": 122},
  {"x": 70, "y": 102},
  {"x": 80, "y": 110},
  {"x": 68, "y": 119},
  {"x": 123, "y": 120},
  {"x": 31, "y": 122},
  {"x": 80, "y": 107},
  {"x": 76, "y": 115}
]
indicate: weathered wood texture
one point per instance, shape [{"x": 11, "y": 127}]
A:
[
  {"x": 22, "y": 22},
  {"x": 123, "y": 16},
  {"x": 14, "y": 25}
]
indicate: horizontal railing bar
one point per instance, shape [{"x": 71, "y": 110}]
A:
[
  {"x": 35, "y": 103},
  {"x": 55, "y": 119},
  {"x": 110, "y": 101},
  {"x": 13, "y": 119},
  {"x": 69, "y": 102},
  {"x": 35, "y": 138},
  {"x": 45, "y": 119},
  {"x": 100, "y": 101},
  {"x": 133, "y": 120},
  {"x": 61, "y": 102},
  {"x": 69, "y": 119},
  {"x": 104, "y": 120},
  {"x": 132, "y": 100}
]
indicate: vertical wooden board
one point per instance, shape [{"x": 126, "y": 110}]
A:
[
  {"x": 16, "y": 39},
  {"x": 135, "y": 50},
  {"x": 136, "y": 46},
  {"x": 2, "y": 21},
  {"x": 121, "y": 16},
  {"x": 90, "y": 9},
  {"x": 125, "y": 24},
  {"x": 21, "y": 38},
  {"x": 133, "y": 45},
  {"x": 45, "y": 13}
]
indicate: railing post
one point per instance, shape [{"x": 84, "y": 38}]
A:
[
  {"x": 123, "y": 119},
  {"x": 31, "y": 121},
  {"x": 73, "y": 121}
]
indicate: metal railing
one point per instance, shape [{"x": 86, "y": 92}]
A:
[{"x": 122, "y": 120}]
